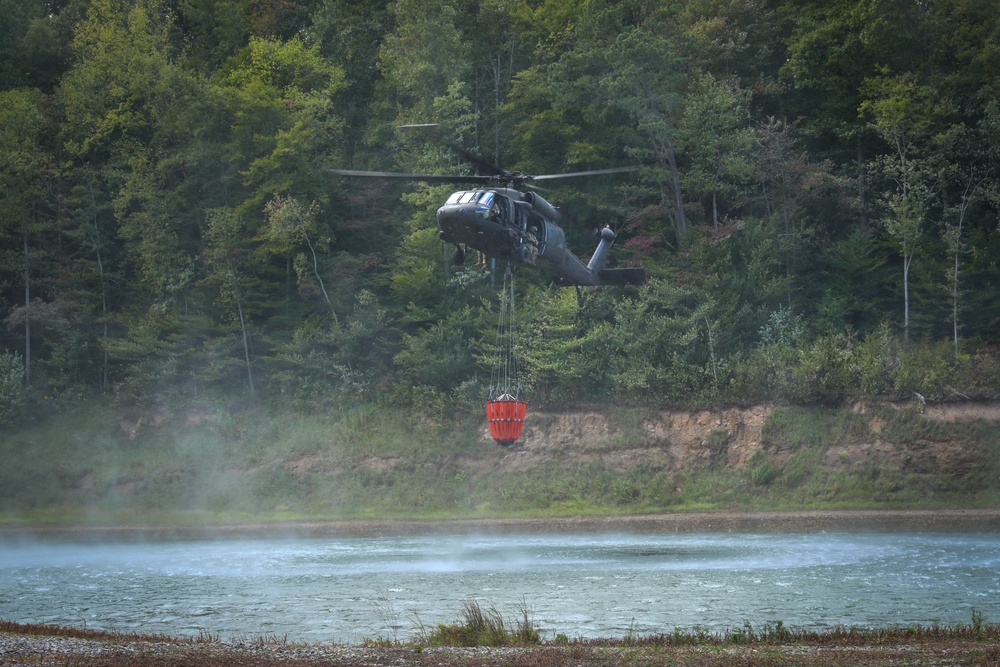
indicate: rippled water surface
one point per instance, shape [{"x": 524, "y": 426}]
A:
[{"x": 333, "y": 589}]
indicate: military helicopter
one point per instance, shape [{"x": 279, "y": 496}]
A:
[{"x": 501, "y": 221}]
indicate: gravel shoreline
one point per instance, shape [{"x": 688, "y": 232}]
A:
[
  {"x": 812, "y": 521},
  {"x": 32, "y": 650}
]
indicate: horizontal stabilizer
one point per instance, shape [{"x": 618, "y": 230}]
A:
[{"x": 630, "y": 276}]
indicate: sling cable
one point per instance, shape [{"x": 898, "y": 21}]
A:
[{"x": 505, "y": 406}]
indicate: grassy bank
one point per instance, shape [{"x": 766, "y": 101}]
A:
[{"x": 225, "y": 466}]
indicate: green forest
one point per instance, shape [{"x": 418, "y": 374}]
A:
[{"x": 817, "y": 209}]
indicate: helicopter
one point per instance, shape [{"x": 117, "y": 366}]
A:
[{"x": 501, "y": 221}]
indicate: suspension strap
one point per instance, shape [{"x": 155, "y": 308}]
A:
[{"x": 505, "y": 380}]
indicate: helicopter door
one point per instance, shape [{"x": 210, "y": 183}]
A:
[{"x": 552, "y": 242}]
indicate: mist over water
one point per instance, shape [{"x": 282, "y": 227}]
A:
[{"x": 594, "y": 585}]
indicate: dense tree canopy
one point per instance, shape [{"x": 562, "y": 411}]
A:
[{"x": 817, "y": 208}]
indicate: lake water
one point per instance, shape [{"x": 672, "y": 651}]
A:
[{"x": 593, "y": 585}]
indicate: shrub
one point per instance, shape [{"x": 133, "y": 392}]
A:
[
  {"x": 766, "y": 375},
  {"x": 927, "y": 369},
  {"x": 876, "y": 362},
  {"x": 823, "y": 370},
  {"x": 980, "y": 371}
]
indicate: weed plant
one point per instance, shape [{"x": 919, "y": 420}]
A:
[{"x": 484, "y": 627}]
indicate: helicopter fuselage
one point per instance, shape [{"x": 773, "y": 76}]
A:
[{"x": 521, "y": 228}]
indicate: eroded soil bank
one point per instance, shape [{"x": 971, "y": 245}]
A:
[
  {"x": 955, "y": 520},
  {"x": 677, "y": 439}
]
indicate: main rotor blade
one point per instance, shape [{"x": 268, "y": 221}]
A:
[
  {"x": 476, "y": 161},
  {"x": 592, "y": 172},
  {"x": 532, "y": 186},
  {"x": 438, "y": 178}
]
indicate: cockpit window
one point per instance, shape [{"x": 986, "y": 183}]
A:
[{"x": 483, "y": 197}]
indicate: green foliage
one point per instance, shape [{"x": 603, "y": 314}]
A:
[
  {"x": 170, "y": 228},
  {"x": 878, "y": 360},
  {"x": 718, "y": 140},
  {"x": 554, "y": 347},
  {"x": 658, "y": 343},
  {"x": 929, "y": 369},
  {"x": 308, "y": 372},
  {"x": 12, "y": 392},
  {"x": 440, "y": 356},
  {"x": 425, "y": 53}
]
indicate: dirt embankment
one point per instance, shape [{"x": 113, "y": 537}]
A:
[
  {"x": 669, "y": 440},
  {"x": 676, "y": 439}
]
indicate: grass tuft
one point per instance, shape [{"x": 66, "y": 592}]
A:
[{"x": 485, "y": 627}]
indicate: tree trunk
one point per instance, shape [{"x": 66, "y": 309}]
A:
[
  {"x": 319, "y": 278},
  {"x": 907, "y": 256},
  {"x": 27, "y": 313},
  {"x": 680, "y": 219},
  {"x": 715, "y": 213},
  {"x": 104, "y": 288},
  {"x": 243, "y": 326}
]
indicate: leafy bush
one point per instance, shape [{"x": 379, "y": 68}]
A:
[
  {"x": 928, "y": 369},
  {"x": 823, "y": 370},
  {"x": 876, "y": 362},
  {"x": 766, "y": 375}
]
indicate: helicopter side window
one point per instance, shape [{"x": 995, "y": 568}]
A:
[
  {"x": 501, "y": 208},
  {"x": 486, "y": 200}
]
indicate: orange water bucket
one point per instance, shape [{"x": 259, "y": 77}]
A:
[{"x": 505, "y": 416}]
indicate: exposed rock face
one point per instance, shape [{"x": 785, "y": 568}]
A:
[
  {"x": 669, "y": 440},
  {"x": 676, "y": 439}
]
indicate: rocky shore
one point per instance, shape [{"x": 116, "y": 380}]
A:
[{"x": 32, "y": 650}]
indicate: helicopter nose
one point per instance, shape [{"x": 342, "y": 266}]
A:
[{"x": 461, "y": 213}]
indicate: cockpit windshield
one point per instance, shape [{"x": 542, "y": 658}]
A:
[{"x": 483, "y": 197}]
